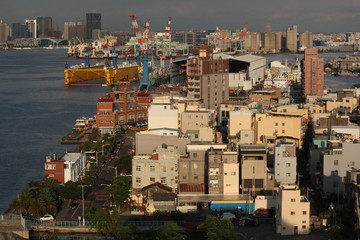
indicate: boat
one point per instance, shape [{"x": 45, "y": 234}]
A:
[{"x": 83, "y": 124}]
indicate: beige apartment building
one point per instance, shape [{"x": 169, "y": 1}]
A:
[
  {"x": 241, "y": 125},
  {"x": 291, "y": 39},
  {"x": 274, "y": 127},
  {"x": 292, "y": 211},
  {"x": 199, "y": 125},
  {"x": 306, "y": 40},
  {"x": 347, "y": 104}
]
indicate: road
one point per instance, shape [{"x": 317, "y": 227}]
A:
[{"x": 96, "y": 197}]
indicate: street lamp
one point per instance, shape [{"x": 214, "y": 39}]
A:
[
  {"x": 115, "y": 168},
  {"x": 83, "y": 207}
]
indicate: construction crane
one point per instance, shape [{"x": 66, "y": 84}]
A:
[{"x": 144, "y": 51}]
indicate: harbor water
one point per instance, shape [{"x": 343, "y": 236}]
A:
[{"x": 37, "y": 110}]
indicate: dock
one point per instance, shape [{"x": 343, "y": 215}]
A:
[{"x": 106, "y": 75}]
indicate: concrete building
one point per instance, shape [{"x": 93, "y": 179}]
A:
[
  {"x": 277, "y": 127},
  {"x": 44, "y": 26},
  {"x": 93, "y": 24},
  {"x": 192, "y": 37},
  {"x": 241, "y": 121},
  {"x": 31, "y": 28},
  {"x": 4, "y": 32},
  {"x": 272, "y": 42},
  {"x": 223, "y": 173},
  {"x": 161, "y": 166},
  {"x": 306, "y": 40},
  {"x": 253, "y": 170},
  {"x": 252, "y": 42},
  {"x": 199, "y": 125},
  {"x": 285, "y": 164},
  {"x": 291, "y": 39},
  {"x": 346, "y": 104},
  {"x": 163, "y": 115},
  {"x": 18, "y": 30},
  {"x": 70, "y": 167},
  {"x": 312, "y": 73},
  {"x": 292, "y": 211},
  {"x": 74, "y": 31},
  {"x": 147, "y": 141},
  {"x": 208, "y": 78},
  {"x": 192, "y": 169},
  {"x": 341, "y": 157},
  {"x": 267, "y": 97}
]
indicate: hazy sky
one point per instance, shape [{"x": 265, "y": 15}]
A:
[{"x": 278, "y": 15}]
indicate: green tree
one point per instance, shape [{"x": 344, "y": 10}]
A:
[
  {"x": 37, "y": 207},
  {"x": 85, "y": 146},
  {"x": 109, "y": 225},
  {"x": 71, "y": 190},
  {"x": 23, "y": 201},
  {"x": 49, "y": 198},
  {"x": 119, "y": 192},
  {"x": 123, "y": 164},
  {"x": 218, "y": 229},
  {"x": 166, "y": 231},
  {"x": 94, "y": 135}
]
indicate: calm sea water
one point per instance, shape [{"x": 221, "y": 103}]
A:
[{"x": 37, "y": 110}]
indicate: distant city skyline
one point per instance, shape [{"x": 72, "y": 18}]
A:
[{"x": 315, "y": 16}]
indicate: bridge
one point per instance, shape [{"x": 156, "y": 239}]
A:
[{"x": 38, "y": 42}]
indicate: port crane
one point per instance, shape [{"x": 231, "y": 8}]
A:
[{"x": 144, "y": 51}]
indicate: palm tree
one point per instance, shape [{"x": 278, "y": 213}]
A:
[{"x": 37, "y": 207}]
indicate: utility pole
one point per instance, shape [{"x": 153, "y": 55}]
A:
[{"x": 83, "y": 204}]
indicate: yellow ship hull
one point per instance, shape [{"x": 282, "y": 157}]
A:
[{"x": 109, "y": 76}]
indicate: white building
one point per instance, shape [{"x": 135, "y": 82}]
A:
[
  {"x": 292, "y": 211},
  {"x": 161, "y": 166},
  {"x": 285, "y": 164},
  {"x": 163, "y": 115},
  {"x": 74, "y": 166}
]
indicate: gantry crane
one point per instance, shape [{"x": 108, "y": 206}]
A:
[{"x": 144, "y": 51}]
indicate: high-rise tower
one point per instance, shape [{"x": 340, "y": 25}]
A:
[
  {"x": 93, "y": 22},
  {"x": 312, "y": 73}
]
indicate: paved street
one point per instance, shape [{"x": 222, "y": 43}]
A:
[{"x": 96, "y": 196}]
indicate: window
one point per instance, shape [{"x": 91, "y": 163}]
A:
[
  {"x": 292, "y": 213},
  {"x": 303, "y": 226},
  {"x": 228, "y": 185},
  {"x": 288, "y": 164},
  {"x": 66, "y": 166},
  {"x": 152, "y": 179},
  {"x": 50, "y": 166},
  {"x": 138, "y": 180},
  {"x": 138, "y": 168},
  {"x": 288, "y": 174},
  {"x": 163, "y": 180},
  {"x": 164, "y": 168},
  {"x": 276, "y": 124},
  {"x": 336, "y": 162},
  {"x": 194, "y": 155},
  {"x": 283, "y": 124},
  {"x": 283, "y": 131},
  {"x": 293, "y": 200},
  {"x": 152, "y": 168},
  {"x": 304, "y": 212},
  {"x": 196, "y": 177},
  {"x": 233, "y": 173},
  {"x": 184, "y": 177},
  {"x": 304, "y": 221},
  {"x": 195, "y": 166}
]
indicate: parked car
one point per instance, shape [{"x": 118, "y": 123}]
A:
[
  {"x": 109, "y": 159},
  {"x": 104, "y": 207},
  {"x": 74, "y": 204},
  {"x": 47, "y": 217},
  {"x": 261, "y": 211}
]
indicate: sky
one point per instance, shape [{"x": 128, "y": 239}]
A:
[{"x": 275, "y": 15}]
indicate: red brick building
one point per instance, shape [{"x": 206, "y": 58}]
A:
[
  {"x": 54, "y": 169},
  {"x": 122, "y": 106},
  {"x": 312, "y": 73}
]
